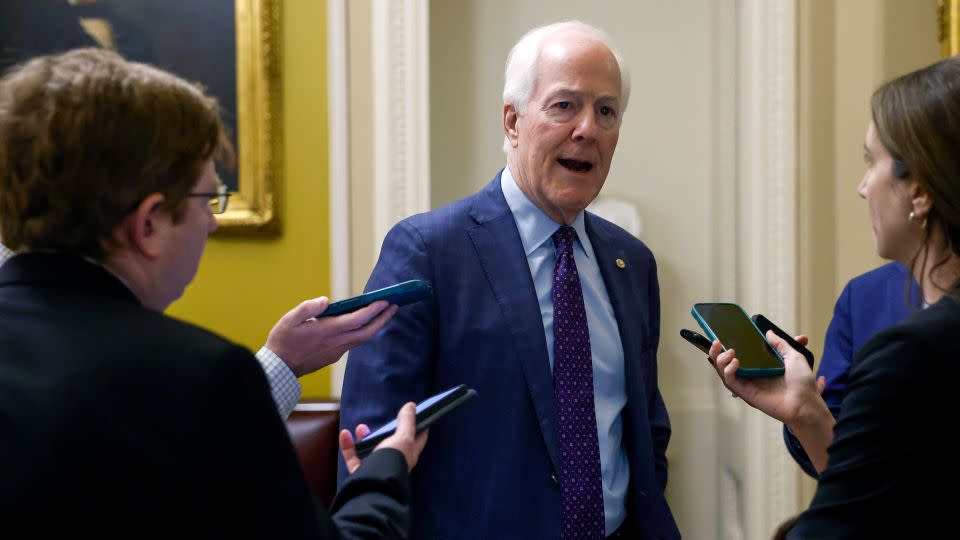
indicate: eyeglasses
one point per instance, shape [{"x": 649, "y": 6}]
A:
[{"x": 218, "y": 200}]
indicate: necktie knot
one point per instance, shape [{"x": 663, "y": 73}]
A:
[{"x": 563, "y": 239}]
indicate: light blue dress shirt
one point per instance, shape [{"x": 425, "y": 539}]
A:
[{"x": 609, "y": 386}]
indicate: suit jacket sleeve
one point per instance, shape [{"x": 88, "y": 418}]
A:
[
  {"x": 264, "y": 493},
  {"x": 835, "y": 366},
  {"x": 838, "y": 352},
  {"x": 374, "y": 500},
  {"x": 396, "y": 366},
  {"x": 871, "y": 452}
]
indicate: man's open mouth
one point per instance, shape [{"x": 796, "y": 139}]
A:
[{"x": 575, "y": 165}]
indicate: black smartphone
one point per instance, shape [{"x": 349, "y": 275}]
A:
[
  {"x": 729, "y": 324},
  {"x": 428, "y": 411},
  {"x": 697, "y": 340},
  {"x": 400, "y": 294},
  {"x": 764, "y": 324}
]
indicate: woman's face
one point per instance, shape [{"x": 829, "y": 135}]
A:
[{"x": 889, "y": 201}]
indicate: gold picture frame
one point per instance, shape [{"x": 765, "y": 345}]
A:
[
  {"x": 238, "y": 61},
  {"x": 948, "y": 19},
  {"x": 255, "y": 207}
]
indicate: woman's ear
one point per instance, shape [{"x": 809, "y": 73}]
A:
[
  {"x": 510, "y": 120},
  {"x": 920, "y": 203}
]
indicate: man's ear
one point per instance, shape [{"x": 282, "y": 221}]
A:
[
  {"x": 510, "y": 121},
  {"x": 146, "y": 227}
]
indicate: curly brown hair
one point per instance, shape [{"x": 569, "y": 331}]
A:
[{"x": 85, "y": 136}]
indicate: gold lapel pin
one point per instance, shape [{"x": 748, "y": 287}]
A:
[{"x": 621, "y": 264}]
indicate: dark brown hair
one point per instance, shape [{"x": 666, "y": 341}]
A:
[
  {"x": 85, "y": 136},
  {"x": 917, "y": 117}
]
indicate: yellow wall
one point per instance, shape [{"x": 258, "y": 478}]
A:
[{"x": 246, "y": 284}]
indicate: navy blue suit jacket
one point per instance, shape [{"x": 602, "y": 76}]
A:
[
  {"x": 869, "y": 303},
  {"x": 489, "y": 469}
]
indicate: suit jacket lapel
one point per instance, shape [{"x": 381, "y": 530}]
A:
[
  {"x": 500, "y": 250},
  {"x": 619, "y": 289}
]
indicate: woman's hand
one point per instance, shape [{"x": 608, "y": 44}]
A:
[{"x": 789, "y": 398}]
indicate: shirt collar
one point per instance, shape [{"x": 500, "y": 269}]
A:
[{"x": 534, "y": 225}]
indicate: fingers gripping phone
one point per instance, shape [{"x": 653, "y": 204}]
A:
[
  {"x": 400, "y": 294},
  {"x": 729, "y": 324},
  {"x": 764, "y": 324}
]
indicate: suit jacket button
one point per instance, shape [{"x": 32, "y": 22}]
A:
[{"x": 555, "y": 480}]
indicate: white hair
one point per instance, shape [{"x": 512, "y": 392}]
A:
[{"x": 520, "y": 74}]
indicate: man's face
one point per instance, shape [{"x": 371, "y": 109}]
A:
[
  {"x": 563, "y": 144},
  {"x": 188, "y": 238}
]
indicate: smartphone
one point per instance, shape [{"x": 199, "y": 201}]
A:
[
  {"x": 729, "y": 324},
  {"x": 428, "y": 411},
  {"x": 697, "y": 340},
  {"x": 400, "y": 294},
  {"x": 764, "y": 324}
]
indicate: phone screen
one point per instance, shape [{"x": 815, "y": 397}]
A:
[
  {"x": 422, "y": 406},
  {"x": 736, "y": 331}
]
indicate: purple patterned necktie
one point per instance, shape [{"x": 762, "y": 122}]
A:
[{"x": 580, "y": 483}]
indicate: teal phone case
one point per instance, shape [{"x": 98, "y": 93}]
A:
[
  {"x": 400, "y": 294},
  {"x": 741, "y": 372}
]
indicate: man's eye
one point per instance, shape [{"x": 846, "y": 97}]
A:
[
  {"x": 607, "y": 111},
  {"x": 562, "y": 105}
]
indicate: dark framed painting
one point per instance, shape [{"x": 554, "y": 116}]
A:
[{"x": 231, "y": 47}]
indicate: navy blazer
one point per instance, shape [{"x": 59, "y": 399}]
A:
[
  {"x": 893, "y": 450},
  {"x": 489, "y": 469},
  {"x": 869, "y": 303}
]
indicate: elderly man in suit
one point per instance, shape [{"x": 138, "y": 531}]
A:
[
  {"x": 114, "y": 418},
  {"x": 551, "y": 313}
]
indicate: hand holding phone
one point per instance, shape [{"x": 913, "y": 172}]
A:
[
  {"x": 729, "y": 324},
  {"x": 400, "y": 294}
]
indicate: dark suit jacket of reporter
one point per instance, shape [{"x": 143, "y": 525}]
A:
[
  {"x": 490, "y": 468},
  {"x": 893, "y": 466},
  {"x": 122, "y": 422}
]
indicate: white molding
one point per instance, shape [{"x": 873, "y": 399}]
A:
[
  {"x": 338, "y": 144},
  {"x": 767, "y": 235},
  {"x": 731, "y": 467},
  {"x": 401, "y": 112}
]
